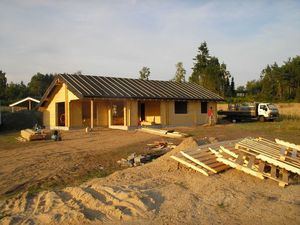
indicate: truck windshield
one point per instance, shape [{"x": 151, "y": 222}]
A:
[{"x": 271, "y": 106}]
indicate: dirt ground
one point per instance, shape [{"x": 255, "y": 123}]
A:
[
  {"x": 46, "y": 164},
  {"x": 160, "y": 192},
  {"x": 42, "y": 182}
]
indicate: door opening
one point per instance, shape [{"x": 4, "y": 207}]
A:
[
  {"x": 60, "y": 106},
  {"x": 117, "y": 113},
  {"x": 141, "y": 108}
]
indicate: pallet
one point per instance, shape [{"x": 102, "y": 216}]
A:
[
  {"x": 191, "y": 164},
  {"x": 269, "y": 149},
  {"x": 202, "y": 159},
  {"x": 250, "y": 164}
]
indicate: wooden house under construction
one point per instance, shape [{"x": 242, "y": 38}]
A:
[{"x": 79, "y": 101}]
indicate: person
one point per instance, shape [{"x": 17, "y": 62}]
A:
[{"x": 210, "y": 114}]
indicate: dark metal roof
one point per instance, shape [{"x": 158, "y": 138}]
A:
[{"x": 86, "y": 86}]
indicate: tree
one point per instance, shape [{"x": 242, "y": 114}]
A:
[
  {"x": 15, "y": 91},
  {"x": 144, "y": 73},
  {"x": 180, "y": 73},
  {"x": 208, "y": 72},
  {"x": 3, "y": 84},
  {"x": 232, "y": 87},
  {"x": 253, "y": 87},
  {"x": 39, "y": 84}
]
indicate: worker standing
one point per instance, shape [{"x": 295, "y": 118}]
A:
[{"x": 210, "y": 114}]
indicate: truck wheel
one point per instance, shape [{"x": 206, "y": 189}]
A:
[{"x": 262, "y": 119}]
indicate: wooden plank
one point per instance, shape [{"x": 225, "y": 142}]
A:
[
  {"x": 241, "y": 168},
  {"x": 215, "y": 164},
  {"x": 289, "y": 160},
  {"x": 227, "y": 151},
  {"x": 222, "y": 167},
  {"x": 273, "y": 171},
  {"x": 251, "y": 162},
  {"x": 190, "y": 165},
  {"x": 198, "y": 153},
  {"x": 285, "y": 176},
  {"x": 279, "y": 164},
  {"x": 198, "y": 162},
  {"x": 207, "y": 160},
  {"x": 261, "y": 166},
  {"x": 240, "y": 159},
  {"x": 288, "y": 144}
]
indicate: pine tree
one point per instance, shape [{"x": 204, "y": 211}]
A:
[
  {"x": 208, "y": 72},
  {"x": 180, "y": 73}
]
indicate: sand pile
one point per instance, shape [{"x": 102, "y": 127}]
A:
[{"x": 160, "y": 193}]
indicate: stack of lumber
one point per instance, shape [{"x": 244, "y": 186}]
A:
[
  {"x": 202, "y": 159},
  {"x": 165, "y": 133},
  {"x": 262, "y": 158},
  {"x": 31, "y": 135},
  {"x": 259, "y": 157}
]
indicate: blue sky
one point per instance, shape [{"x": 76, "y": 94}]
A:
[{"x": 118, "y": 38}]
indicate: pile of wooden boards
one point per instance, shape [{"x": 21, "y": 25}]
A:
[
  {"x": 31, "y": 135},
  {"x": 165, "y": 133},
  {"x": 202, "y": 159},
  {"x": 258, "y": 157}
]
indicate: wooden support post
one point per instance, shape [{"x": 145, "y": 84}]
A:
[
  {"x": 125, "y": 113},
  {"x": 285, "y": 176},
  {"x": 261, "y": 166},
  {"x": 92, "y": 113},
  {"x": 273, "y": 171},
  {"x": 29, "y": 106},
  {"x": 251, "y": 162},
  {"x": 67, "y": 113}
]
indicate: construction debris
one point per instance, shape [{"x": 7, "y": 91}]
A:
[
  {"x": 158, "y": 149},
  {"x": 161, "y": 145},
  {"x": 258, "y": 157},
  {"x": 202, "y": 159},
  {"x": 31, "y": 135},
  {"x": 165, "y": 133}
]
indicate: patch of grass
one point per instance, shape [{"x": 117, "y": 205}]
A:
[
  {"x": 9, "y": 138},
  {"x": 292, "y": 117},
  {"x": 97, "y": 174},
  {"x": 221, "y": 205}
]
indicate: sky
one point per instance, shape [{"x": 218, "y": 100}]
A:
[{"x": 119, "y": 37}]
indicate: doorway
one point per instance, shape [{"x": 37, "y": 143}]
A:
[
  {"x": 60, "y": 106},
  {"x": 117, "y": 113},
  {"x": 141, "y": 109}
]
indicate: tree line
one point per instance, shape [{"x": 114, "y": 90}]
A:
[
  {"x": 276, "y": 83},
  {"x": 10, "y": 92}
]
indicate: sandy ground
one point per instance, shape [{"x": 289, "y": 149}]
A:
[
  {"x": 160, "y": 192},
  {"x": 46, "y": 164}
]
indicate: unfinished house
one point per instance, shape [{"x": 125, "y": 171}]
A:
[{"x": 74, "y": 101}]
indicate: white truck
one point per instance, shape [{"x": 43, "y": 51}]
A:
[{"x": 246, "y": 111}]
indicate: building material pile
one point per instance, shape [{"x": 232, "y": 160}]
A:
[
  {"x": 158, "y": 148},
  {"x": 165, "y": 133},
  {"x": 202, "y": 159},
  {"x": 31, "y": 135},
  {"x": 258, "y": 157}
]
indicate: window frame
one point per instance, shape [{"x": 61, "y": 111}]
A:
[
  {"x": 181, "y": 110},
  {"x": 202, "y": 108}
]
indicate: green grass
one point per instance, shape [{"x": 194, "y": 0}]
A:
[
  {"x": 285, "y": 129},
  {"x": 8, "y": 140},
  {"x": 221, "y": 205}
]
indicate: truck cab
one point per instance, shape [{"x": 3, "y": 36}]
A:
[{"x": 267, "y": 111}]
